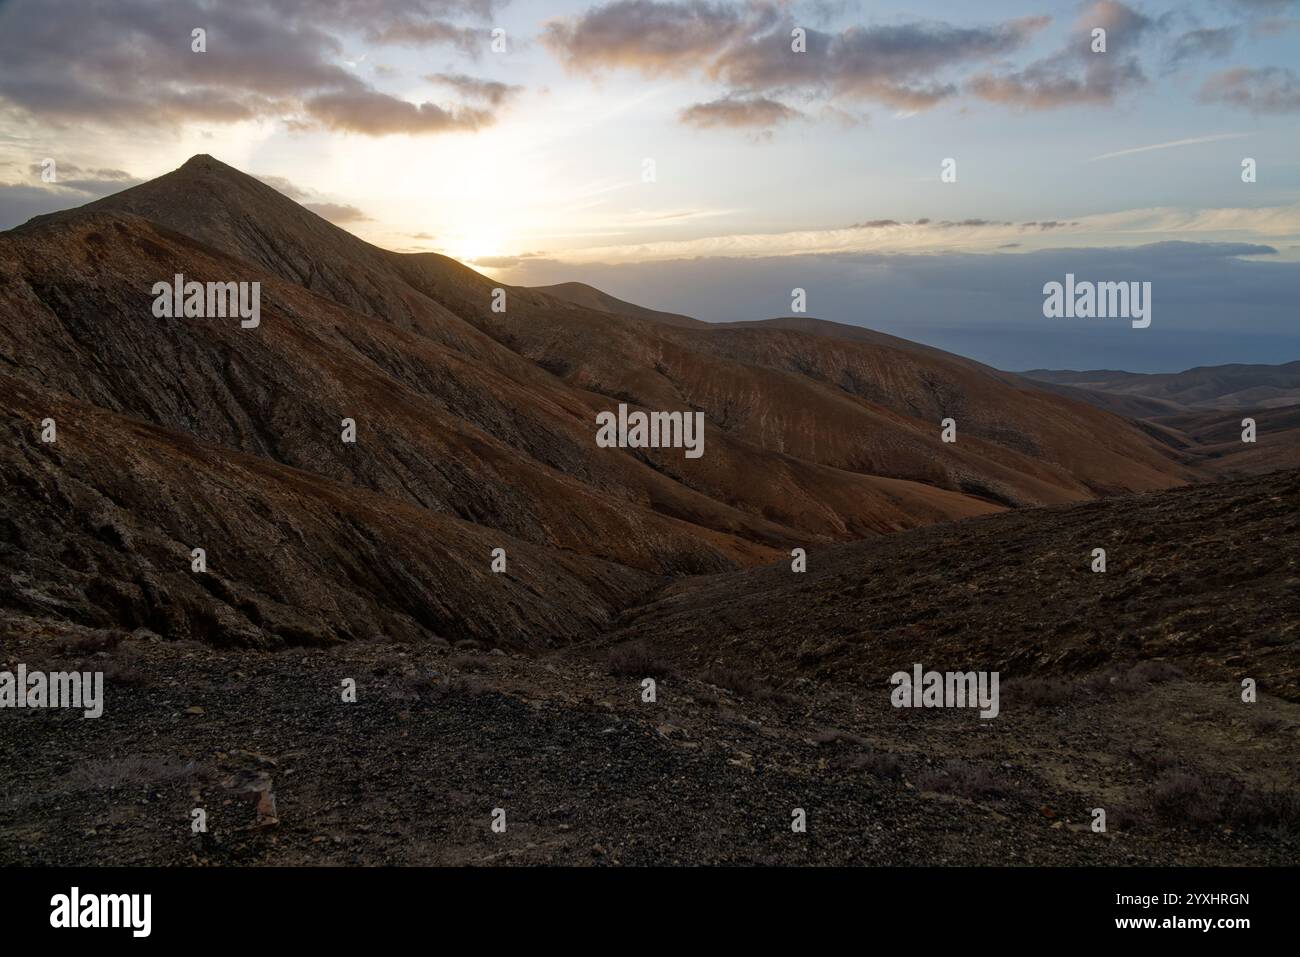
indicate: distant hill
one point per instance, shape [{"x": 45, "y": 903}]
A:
[
  {"x": 1200, "y": 411},
  {"x": 1205, "y": 387},
  {"x": 581, "y": 294}
]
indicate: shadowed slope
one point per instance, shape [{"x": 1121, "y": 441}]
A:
[{"x": 1207, "y": 575}]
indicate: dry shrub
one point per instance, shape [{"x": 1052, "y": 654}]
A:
[
  {"x": 635, "y": 660},
  {"x": 961, "y": 778}
]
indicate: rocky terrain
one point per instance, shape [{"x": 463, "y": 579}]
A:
[{"x": 1119, "y": 690}]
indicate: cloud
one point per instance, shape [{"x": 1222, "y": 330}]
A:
[
  {"x": 264, "y": 60},
  {"x": 738, "y": 113},
  {"x": 651, "y": 36},
  {"x": 1275, "y": 224},
  {"x": 428, "y": 33},
  {"x": 19, "y": 203},
  {"x": 1191, "y": 141},
  {"x": 1269, "y": 89},
  {"x": 989, "y": 306},
  {"x": 92, "y": 182},
  {"x": 286, "y": 186},
  {"x": 378, "y": 114},
  {"x": 337, "y": 212},
  {"x": 1203, "y": 43},
  {"x": 1075, "y": 75},
  {"x": 75, "y": 186},
  {"x": 894, "y": 65},
  {"x": 748, "y": 49},
  {"x": 491, "y": 92},
  {"x": 1254, "y": 8}
]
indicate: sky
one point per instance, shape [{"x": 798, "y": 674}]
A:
[{"x": 683, "y": 154}]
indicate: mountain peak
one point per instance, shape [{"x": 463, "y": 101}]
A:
[{"x": 205, "y": 161}]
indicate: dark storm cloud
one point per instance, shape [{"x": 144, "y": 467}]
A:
[
  {"x": 748, "y": 49},
  {"x": 1265, "y": 90},
  {"x": 738, "y": 113},
  {"x": 1075, "y": 75},
  {"x": 130, "y": 63}
]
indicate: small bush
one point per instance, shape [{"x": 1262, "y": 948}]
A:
[
  {"x": 733, "y": 680},
  {"x": 961, "y": 778},
  {"x": 1132, "y": 678},
  {"x": 636, "y": 661},
  {"x": 105, "y": 639},
  {"x": 132, "y": 770},
  {"x": 836, "y": 736},
  {"x": 1274, "y": 809},
  {"x": 1266, "y": 724},
  {"x": 1184, "y": 797},
  {"x": 879, "y": 764}
]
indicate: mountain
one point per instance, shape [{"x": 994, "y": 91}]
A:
[
  {"x": 475, "y": 431},
  {"x": 1200, "y": 412},
  {"x": 1207, "y": 576},
  {"x": 580, "y": 294},
  {"x": 1236, "y": 386},
  {"x": 1214, "y": 439}
]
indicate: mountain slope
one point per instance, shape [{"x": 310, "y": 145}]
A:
[
  {"x": 580, "y": 294},
  {"x": 99, "y": 528},
  {"x": 1206, "y": 575}
]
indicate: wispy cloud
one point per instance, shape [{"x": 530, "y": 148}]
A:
[
  {"x": 1191, "y": 141},
  {"x": 1276, "y": 224}
]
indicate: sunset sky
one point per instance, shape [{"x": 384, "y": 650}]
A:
[{"x": 772, "y": 169}]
